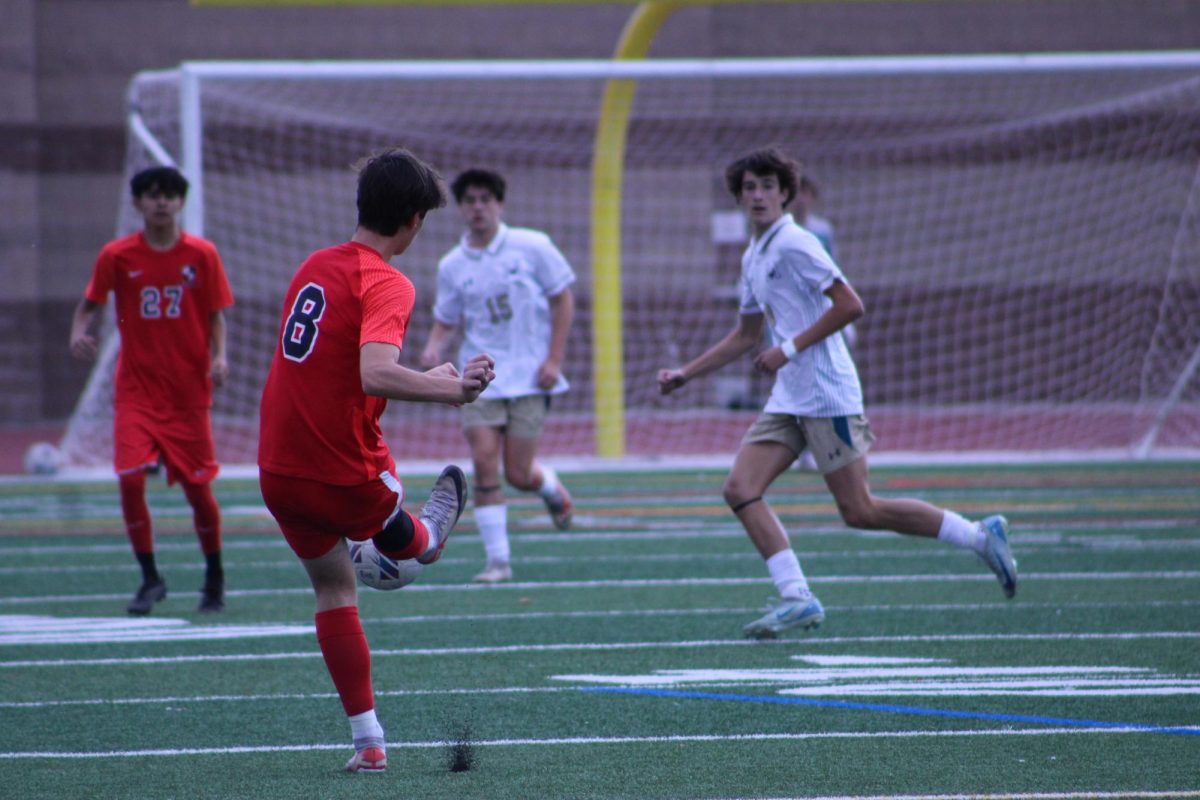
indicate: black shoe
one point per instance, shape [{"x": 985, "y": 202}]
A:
[
  {"x": 212, "y": 598},
  {"x": 147, "y": 595}
]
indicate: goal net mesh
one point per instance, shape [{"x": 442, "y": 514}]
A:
[{"x": 1026, "y": 241}]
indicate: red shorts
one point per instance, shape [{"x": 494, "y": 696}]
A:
[
  {"x": 314, "y": 515},
  {"x": 181, "y": 437}
]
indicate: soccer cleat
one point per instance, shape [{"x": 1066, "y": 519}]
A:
[
  {"x": 998, "y": 555},
  {"x": 370, "y": 759},
  {"x": 443, "y": 508},
  {"x": 212, "y": 597},
  {"x": 494, "y": 572},
  {"x": 147, "y": 595},
  {"x": 561, "y": 508},
  {"x": 782, "y": 614}
]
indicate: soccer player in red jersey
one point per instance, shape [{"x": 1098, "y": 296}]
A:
[
  {"x": 325, "y": 472},
  {"x": 171, "y": 292}
]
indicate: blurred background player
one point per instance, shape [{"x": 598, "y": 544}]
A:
[
  {"x": 325, "y": 472},
  {"x": 791, "y": 284},
  {"x": 807, "y": 196},
  {"x": 171, "y": 292},
  {"x": 508, "y": 289}
]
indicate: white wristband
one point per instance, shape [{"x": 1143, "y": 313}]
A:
[{"x": 789, "y": 348}]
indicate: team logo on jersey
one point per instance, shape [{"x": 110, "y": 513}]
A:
[{"x": 189, "y": 275}]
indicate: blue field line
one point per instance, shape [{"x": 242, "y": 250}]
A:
[{"x": 900, "y": 709}]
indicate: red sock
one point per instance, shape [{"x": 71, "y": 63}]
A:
[
  {"x": 132, "y": 486},
  {"x": 347, "y": 657},
  {"x": 206, "y": 514}
]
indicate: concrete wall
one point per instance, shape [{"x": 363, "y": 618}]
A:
[{"x": 65, "y": 66}]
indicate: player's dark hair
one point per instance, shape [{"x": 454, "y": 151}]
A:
[
  {"x": 762, "y": 162},
  {"x": 159, "y": 180},
  {"x": 393, "y": 187},
  {"x": 483, "y": 178}
]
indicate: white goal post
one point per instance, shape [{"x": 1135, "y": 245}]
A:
[{"x": 1024, "y": 230}]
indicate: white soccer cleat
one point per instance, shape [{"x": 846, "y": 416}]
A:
[
  {"x": 443, "y": 508},
  {"x": 561, "y": 508},
  {"x": 998, "y": 555},
  {"x": 494, "y": 572},
  {"x": 783, "y": 614}
]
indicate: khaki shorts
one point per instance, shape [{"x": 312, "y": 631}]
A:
[
  {"x": 519, "y": 417},
  {"x": 834, "y": 441}
]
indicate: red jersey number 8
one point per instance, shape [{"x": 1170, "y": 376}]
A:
[{"x": 300, "y": 328}]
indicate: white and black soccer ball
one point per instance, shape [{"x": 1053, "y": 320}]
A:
[
  {"x": 376, "y": 570},
  {"x": 43, "y": 458}
]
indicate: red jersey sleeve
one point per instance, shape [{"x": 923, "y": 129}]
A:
[
  {"x": 219, "y": 294},
  {"x": 388, "y": 298},
  {"x": 103, "y": 280}
]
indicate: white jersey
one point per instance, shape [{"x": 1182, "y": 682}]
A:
[
  {"x": 785, "y": 273},
  {"x": 500, "y": 296}
]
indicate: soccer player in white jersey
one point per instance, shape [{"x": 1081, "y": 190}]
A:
[
  {"x": 791, "y": 285},
  {"x": 509, "y": 290},
  {"x": 807, "y": 195}
]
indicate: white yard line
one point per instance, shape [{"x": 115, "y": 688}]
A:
[
  {"x": 1009, "y": 796},
  {"x": 613, "y": 646},
  {"x": 595, "y": 740},
  {"x": 639, "y": 583}
]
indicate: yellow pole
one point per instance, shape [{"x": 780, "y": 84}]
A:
[{"x": 607, "y": 166}]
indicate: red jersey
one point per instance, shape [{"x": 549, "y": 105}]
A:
[
  {"x": 164, "y": 303},
  {"x": 315, "y": 421}
]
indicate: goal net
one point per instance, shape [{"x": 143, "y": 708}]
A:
[{"x": 1024, "y": 231}]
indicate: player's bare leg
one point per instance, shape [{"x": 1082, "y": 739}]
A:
[
  {"x": 525, "y": 473},
  {"x": 754, "y": 469},
  {"x": 860, "y": 509}
]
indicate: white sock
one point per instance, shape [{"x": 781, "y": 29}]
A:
[
  {"x": 961, "y": 532},
  {"x": 435, "y": 536},
  {"x": 549, "y": 488},
  {"x": 492, "y": 522},
  {"x": 789, "y": 579},
  {"x": 366, "y": 730}
]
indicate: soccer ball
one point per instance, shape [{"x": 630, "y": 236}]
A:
[
  {"x": 376, "y": 570},
  {"x": 43, "y": 458}
]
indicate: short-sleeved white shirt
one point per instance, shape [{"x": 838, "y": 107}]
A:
[
  {"x": 785, "y": 273},
  {"x": 500, "y": 295}
]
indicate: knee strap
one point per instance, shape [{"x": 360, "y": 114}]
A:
[{"x": 745, "y": 503}]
